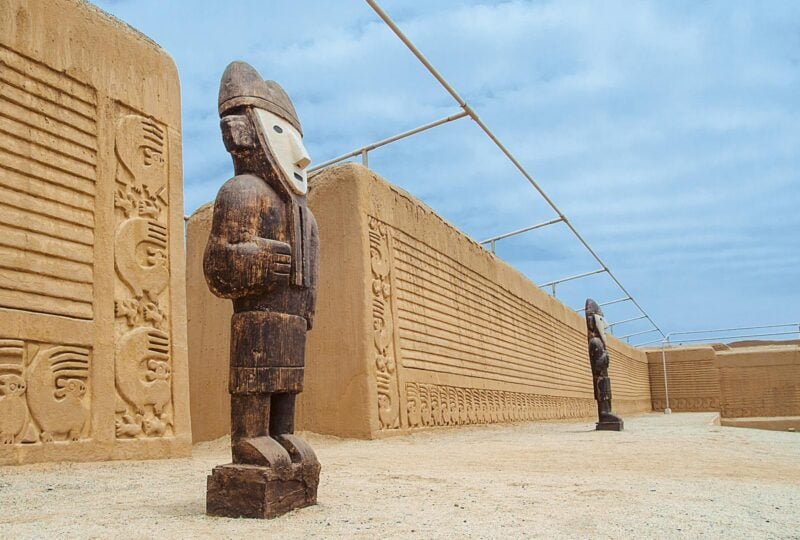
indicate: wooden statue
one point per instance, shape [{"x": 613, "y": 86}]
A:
[
  {"x": 263, "y": 254},
  {"x": 598, "y": 356}
]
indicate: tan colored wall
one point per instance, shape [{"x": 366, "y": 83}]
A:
[
  {"x": 759, "y": 382},
  {"x": 692, "y": 378},
  {"x": 92, "y": 301},
  {"x": 417, "y": 326}
]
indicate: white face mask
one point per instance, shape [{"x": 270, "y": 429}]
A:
[
  {"x": 602, "y": 326},
  {"x": 287, "y": 147}
]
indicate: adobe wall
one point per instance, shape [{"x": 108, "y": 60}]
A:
[
  {"x": 759, "y": 382},
  {"x": 692, "y": 378},
  {"x": 416, "y": 326},
  {"x": 92, "y": 294}
]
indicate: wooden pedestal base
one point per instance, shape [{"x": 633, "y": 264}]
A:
[
  {"x": 260, "y": 492},
  {"x": 613, "y": 425}
]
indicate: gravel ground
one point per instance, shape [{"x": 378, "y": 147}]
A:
[{"x": 665, "y": 476}]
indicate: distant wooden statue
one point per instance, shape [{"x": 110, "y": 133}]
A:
[
  {"x": 598, "y": 356},
  {"x": 263, "y": 254}
]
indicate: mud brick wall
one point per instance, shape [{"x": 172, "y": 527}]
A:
[
  {"x": 416, "y": 326},
  {"x": 759, "y": 382},
  {"x": 692, "y": 378},
  {"x": 92, "y": 308}
]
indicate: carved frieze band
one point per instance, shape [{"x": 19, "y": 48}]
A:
[
  {"x": 44, "y": 392},
  {"x": 386, "y": 364},
  {"x": 143, "y": 361},
  {"x": 440, "y": 405},
  {"x": 688, "y": 404}
]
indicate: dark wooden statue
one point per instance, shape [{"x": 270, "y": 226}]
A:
[
  {"x": 598, "y": 356},
  {"x": 263, "y": 254}
]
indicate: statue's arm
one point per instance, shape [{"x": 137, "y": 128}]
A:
[
  {"x": 237, "y": 261},
  {"x": 314, "y": 246}
]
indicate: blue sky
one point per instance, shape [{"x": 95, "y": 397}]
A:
[{"x": 668, "y": 132}]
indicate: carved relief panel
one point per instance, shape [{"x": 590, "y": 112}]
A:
[
  {"x": 386, "y": 364},
  {"x": 45, "y": 394},
  {"x": 91, "y": 253},
  {"x": 143, "y": 368}
]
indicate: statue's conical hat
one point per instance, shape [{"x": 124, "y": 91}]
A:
[{"x": 242, "y": 85}]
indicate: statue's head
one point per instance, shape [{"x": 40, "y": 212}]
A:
[
  {"x": 258, "y": 121},
  {"x": 595, "y": 322}
]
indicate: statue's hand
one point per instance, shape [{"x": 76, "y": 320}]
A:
[{"x": 280, "y": 262}]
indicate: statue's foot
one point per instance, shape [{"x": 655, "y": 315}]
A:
[
  {"x": 263, "y": 452},
  {"x": 262, "y": 482},
  {"x": 299, "y": 450},
  {"x": 610, "y": 422}
]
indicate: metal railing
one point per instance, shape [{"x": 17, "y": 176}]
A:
[
  {"x": 665, "y": 342},
  {"x": 363, "y": 152}
]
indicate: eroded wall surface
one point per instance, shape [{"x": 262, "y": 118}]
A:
[
  {"x": 419, "y": 326},
  {"x": 692, "y": 378},
  {"x": 92, "y": 318},
  {"x": 759, "y": 382}
]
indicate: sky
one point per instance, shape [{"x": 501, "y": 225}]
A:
[{"x": 668, "y": 133}]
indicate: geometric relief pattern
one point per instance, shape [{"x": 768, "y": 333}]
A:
[
  {"x": 143, "y": 359},
  {"x": 48, "y": 169},
  {"x": 44, "y": 392},
  {"x": 440, "y": 405},
  {"x": 383, "y": 327}
]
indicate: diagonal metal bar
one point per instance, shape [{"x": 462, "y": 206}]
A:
[
  {"x": 364, "y": 149},
  {"x": 463, "y": 104}
]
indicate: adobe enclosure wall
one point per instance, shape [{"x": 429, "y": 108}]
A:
[
  {"x": 92, "y": 308},
  {"x": 692, "y": 378},
  {"x": 416, "y": 326},
  {"x": 759, "y": 382}
]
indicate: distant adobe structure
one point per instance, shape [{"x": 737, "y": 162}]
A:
[
  {"x": 416, "y": 326},
  {"x": 92, "y": 302}
]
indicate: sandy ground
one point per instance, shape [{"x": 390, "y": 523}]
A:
[{"x": 665, "y": 476}]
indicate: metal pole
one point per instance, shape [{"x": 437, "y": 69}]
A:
[
  {"x": 520, "y": 231},
  {"x": 364, "y": 158},
  {"x": 612, "y": 325},
  {"x": 384, "y": 142},
  {"x": 463, "y": 104},
  {"x": 626, "y": 299},
  {"x": 667, "y": 410},
  {"x": 576, "y": 276},
  {"x": 734, "y": 329},
  {"x": 492, "y": 246},
  {"x": 639, "y": 333}
]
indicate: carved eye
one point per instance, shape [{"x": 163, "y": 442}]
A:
[{"x": 278, "y": 129}]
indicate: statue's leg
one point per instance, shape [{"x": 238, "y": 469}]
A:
[
  {"x": 250, "y": 441},
  {"x": 281, "y": 428},
  {"x": 250, "y": 416},
  {"x": 281, "y": 421}
]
